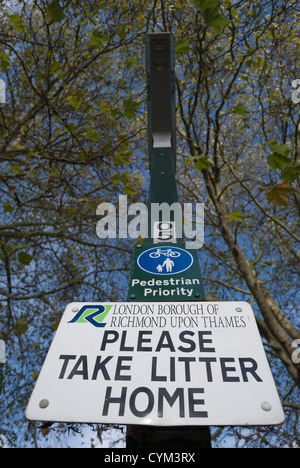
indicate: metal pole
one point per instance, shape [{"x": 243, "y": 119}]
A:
[{"x": 160, "y": 55}]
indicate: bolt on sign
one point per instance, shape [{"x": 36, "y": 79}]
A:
[
  {"x": 165, "y": 272},
  {"x": 157, "y": 363}
]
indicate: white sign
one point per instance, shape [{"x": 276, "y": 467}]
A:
[{"x": 162, "y": 364}]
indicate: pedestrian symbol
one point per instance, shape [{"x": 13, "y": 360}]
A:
[
  {"x": 169, "y": 265},
  {"x": 165, "y": 260}
]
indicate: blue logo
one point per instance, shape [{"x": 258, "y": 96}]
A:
[
  {"x": 166, "y": 260},
  {"x": 93, "y": 314}
]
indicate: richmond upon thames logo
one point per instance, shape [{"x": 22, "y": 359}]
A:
[{"x": 93, "y": 314}]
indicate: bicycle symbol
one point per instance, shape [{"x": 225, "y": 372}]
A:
[
  {"x": 165, "y": 260},
  {"x": 165, "y": 252}
]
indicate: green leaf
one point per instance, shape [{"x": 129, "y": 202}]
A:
[
  {"x": 131, "y": 62},
  {"x": 291, "y": 173},
  {"x": 278, "y": 148},
  {"x": 129, "y": 189},
  {"x": 123, "y": 157},
  {"x": 214, "y": 19},
  {"x": 121, "y": 30},
  {"x": 72, "y": 210},
  {"x": 54, "y": 13},
  {"x": 182, "y": 47},
  {"x": 115, "y": 178},
  {"x": 54, "y": 171},
  {"x": 55, "y": 67},
  {"x": 75, "y": 101},
  {"x": 122, "y": 84},
  {"x": 203, "y": 162},
  {"x": 98, "y": 37},
  {"x": 35, "y": 374},
  {"x": 20, "y": 327},
  {"x": 279, "y": 161},
  {"x": 240, "y": 109},
  {"x": 130, "y": 108},
  {"x": 92, "y": 134},
  {"x": 188, "y": 161},
  {"x": 106, "y": 107},
  {"x": 24, "y": 258},
  {"x": 91, "y": 205},
  {"x": 16, "y": 168},
  {"x": 16, "y": 21},
  {"x": 5, "y": 62},
  {"x": 279, "y": 194},
  {"x": 7, "y": 207},
  {"x": 236, "y": 216},
  {"x": 202, "y": 4}
]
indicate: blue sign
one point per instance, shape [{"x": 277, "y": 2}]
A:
[{"x": 166, "y": 260}]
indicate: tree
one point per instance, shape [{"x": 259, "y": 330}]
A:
[{"x": 73, "y": 135}]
